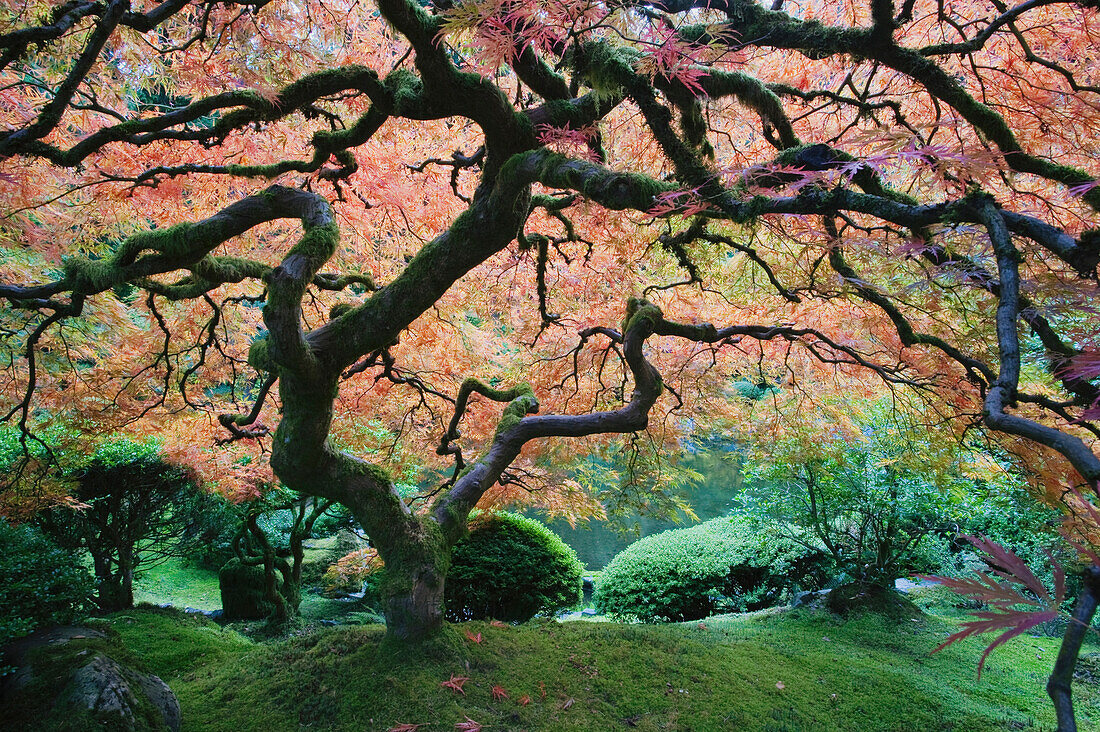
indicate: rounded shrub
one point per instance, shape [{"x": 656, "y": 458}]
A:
[
  {"x": 724, "y": 565},
  {"x": 242, "y": 591},
  {"x": 511, "y": 568},
  {"x": 41, "y": 585}
]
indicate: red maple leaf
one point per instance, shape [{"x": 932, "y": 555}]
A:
[
  {"x": 999, "y": 589},
  {"x": 475, "y": 637},
  {"x": 455, "y": 683},
  {"x": 499, "y": 693}
]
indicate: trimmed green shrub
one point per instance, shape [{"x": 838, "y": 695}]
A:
[
  {"x": 40, "y": 584},
  {"x": 242, "y": 590},
  {"x": 724, "y": 565},
  {"x": 511, "y": 568}
]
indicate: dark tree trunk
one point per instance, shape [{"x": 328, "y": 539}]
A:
[
  {"x": 413, "y": 603},
  {"x": 126, "y": 573},
  {"x": 114, "y": 585},
  {"x": 1061, "y": 678}
]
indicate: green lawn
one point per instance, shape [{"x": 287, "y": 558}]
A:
[
  {"x": 173, "y": 582},
  {"x": 788, "y": 671},
  {"x": 772, "y": 672}
]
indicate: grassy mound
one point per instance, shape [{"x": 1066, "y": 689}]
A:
[{"x": 791, "y": 672}]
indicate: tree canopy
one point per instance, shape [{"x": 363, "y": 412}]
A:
[{"x": 335, "y": 237}]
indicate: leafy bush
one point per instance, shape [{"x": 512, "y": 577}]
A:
[
  {"x": 136, "y": 510},
  {"x": 511, "y": 568},
  {"x": 727, "y": 564},
  {"x": 359, "y": 570},
  {"x": 41, "y": 585},
  {"x": 222, "y": 521}
]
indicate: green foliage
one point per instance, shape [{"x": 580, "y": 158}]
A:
[
  {"x": 40, "y": 583},
  {"x": 1005, "y": 513},
  {"x": 879, "y": 498},
  {"x": 511, "y": 568},
  {"x": 726, "y": 564},
  {"x": 221, "y": 520},
  {"x": 136, "y": 509}
]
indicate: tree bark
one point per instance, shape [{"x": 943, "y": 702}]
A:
[
  {"x": 1059, "y": 685},
  {"x": 414, "y": 605}
]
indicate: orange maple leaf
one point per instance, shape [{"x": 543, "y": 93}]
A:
[
  {"x": 524, "y": 700},
  {"x": 475, "y": 637},
  {"x": 455, "y": 683},
  {"x": 499, "y": 693}
]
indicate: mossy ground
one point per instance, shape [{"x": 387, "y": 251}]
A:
[
  {"x": 865, "y": 673},
  {"x": 173, "y": 581}
]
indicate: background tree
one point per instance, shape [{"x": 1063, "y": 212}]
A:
[
  {"x": 853, "y": 191},
  {"x": 266, "y": 579},
  {"x": 133, "y": 510},
  {"x": 865, "y": 486}
]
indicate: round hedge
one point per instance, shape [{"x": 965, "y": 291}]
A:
[
  {"x": 511, "y": 568},
  {"x": 724, "y": 565},
  {"x": 242, "y": 590},
  {"x": 40, "y": 584}
]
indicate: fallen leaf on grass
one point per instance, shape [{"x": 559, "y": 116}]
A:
[
  {"x": 475, "y": 637},
  {"x": 523, "y": 700},
  {"x": 455, "y": 683},
  {"x": 468, "y": 726},
  {"x": 406, "y": 727},
  {"x": 499, "y": 693},
  {"x": 780, "y": 685},
  {"x": 568, "y": 703}
]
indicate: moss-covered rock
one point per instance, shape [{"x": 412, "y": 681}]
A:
[{"x": 69, "y": 678}]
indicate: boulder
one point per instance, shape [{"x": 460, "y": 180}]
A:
[
  {"x": 118, "y": 696},
  {"x": 56, "y": 679}
]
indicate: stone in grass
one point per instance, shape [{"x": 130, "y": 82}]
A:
[
  {"x": 85, "y": 688},
  {"x": 112, "y": 694}
]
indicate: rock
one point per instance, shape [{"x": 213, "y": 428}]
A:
[
  {"x": 809, "y": 599},
  {"x": 93, "y": 686},
  {"x": 162, "y": 699},
  {"x": 114, "y": 695}
]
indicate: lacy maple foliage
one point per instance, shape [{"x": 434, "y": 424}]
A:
[{"x": 306, "y": 239}]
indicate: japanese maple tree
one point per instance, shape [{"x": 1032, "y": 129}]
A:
[{"x": 335, "y": 237}]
